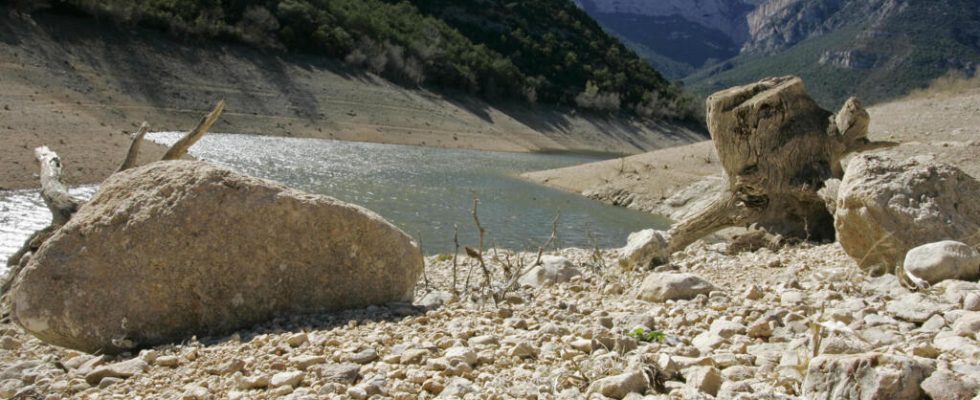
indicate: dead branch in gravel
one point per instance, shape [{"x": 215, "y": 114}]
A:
[
  {"x": 455, "y": 257},
  {"x": 134, "y": 148},
  {"x": 552, "y": 239},
  {"x": 478, "y": 255},
  {"x": 777, "y": 148}
]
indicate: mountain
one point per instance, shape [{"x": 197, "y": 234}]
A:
[
  {"x": 545, "y": 51},
  {"x": 876, "y": 49},
  {"x": 677, "y": 36}
]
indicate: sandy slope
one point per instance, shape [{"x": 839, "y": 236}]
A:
[
  {"x": 76, "y": 87},
  {"x": 944, "y": 124}
]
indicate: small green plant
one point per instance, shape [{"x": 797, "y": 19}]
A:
[
  {"x": 644, "y": 335},
  {"x": 444, "y": 257}
]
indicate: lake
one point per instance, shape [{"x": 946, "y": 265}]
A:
[{"x": 425, "y": 191}]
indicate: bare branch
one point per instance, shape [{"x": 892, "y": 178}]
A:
[
  {"x": 479, "y": 256},
  {"x": 53, "y": 190},
  {"x": 180, "y": 148},
  {"x": 134, "y": 148}
]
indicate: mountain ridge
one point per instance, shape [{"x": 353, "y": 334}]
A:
[{"x": 875, "y": 49}]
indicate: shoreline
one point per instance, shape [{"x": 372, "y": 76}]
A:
[{"x": 64, "y": 84}]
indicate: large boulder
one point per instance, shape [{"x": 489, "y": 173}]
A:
[
  {"x": 181, "y": 248},
  {"x": 886, "y": 207},
  {"x": 869, "y": 376}
]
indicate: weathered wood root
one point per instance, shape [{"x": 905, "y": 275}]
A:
[
  {"x": 777, "y": 148},
  {"x": 180, "y": 148},
  {"x": 134, "y": 148}
]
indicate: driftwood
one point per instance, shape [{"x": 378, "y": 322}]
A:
[
  {"x": 134, "y": 148},
  {"x": 777, "y": 148},
  {"x": 63, "y": 205}
]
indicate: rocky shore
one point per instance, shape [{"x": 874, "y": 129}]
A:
[{"x": 777, "y": 325}]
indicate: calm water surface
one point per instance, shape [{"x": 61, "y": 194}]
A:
[{"x": 424, "y": 191}]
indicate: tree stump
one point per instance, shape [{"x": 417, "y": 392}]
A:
[{"x": 777, "y": 147}]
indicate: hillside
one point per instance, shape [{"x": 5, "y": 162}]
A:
[
  {"x": 542, "y": 51},
  {"x": 877, "y": 50},
  {"x": 79, "y": 87}
]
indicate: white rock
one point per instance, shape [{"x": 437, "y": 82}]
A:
[
  {"x": 553, "y": 270},
  {"x": 886, "y": 207},
  {"x": 939, "y": 261},
  {"x": 644, "y": 249},
  {"x": 947, "y": 385},
  {"x": 464, "y": 354},
  {"x": 457, "y": 388},
  {"x": 968, "y": 325},
  {"x": 704, "y": 379},
  {"x": 971, "y": 302},
  {"x": 618, "y": 386},
  {"x": 123, "y": 369},
  {"x": 289, "y": 378},
  {"x": 866, "y": 376},
  {"x": 916, "y": 307},
  {"x": 660, "y": 287}
]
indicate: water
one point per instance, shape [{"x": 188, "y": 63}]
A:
[{"x": 424, "y": 191}]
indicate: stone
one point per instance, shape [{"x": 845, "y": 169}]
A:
[
  {"x": 289, "y": 378},
  {"x": 968, "y": 325},
  {"x": 960, "y": 346},
  {"x": 762, "y": 328},
  {"x": 413, "y": 356},
  {"x": 618, "y": 386},
  {"x": 971, "y": 302},
  {"x": 947, "y": 385},
  {"x": 228, "y": 367},
  {"x": 109, "y": 381},
  {"x": 194, "y": 249},
  {"x": 167, "y": 361},
  {"x": 916, "y": 307},
  {"x": 866, "y": 376},
  {"x": 523, "y": 350},
  {"x": 887, "y": 207},
  {"x": 365, "y": 356},
  {"x": 738, "y": 373},
  {"x": 123, "y": 369},
  {"x": 841, "y": 345},
  {"x": 704, "y": 379},
  {"x": 9, "y": 343},
  {"x": 660, "y": 287},
  {"x": 463, "y": 354},
  {"x": 553, "y": 270},
  {"x": 726, "y": 328},
  {"x": 307, "y": 361},
  {"x": 644, "y": 249},
  {"x": 436, "y": 299},
  {"x": 251, "y": 382},
  {"x": 297, "y": 340},
  {"x": 195, "y": 392},
  {"x": 939, "y": 261},
  {"x": 340, "y": 373},
  {"x": 457, "y": 388}
]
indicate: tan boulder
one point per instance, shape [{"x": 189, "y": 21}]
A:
[
  {"x": 178, "y": 248},
  {"x": 886, "y": 207}
]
